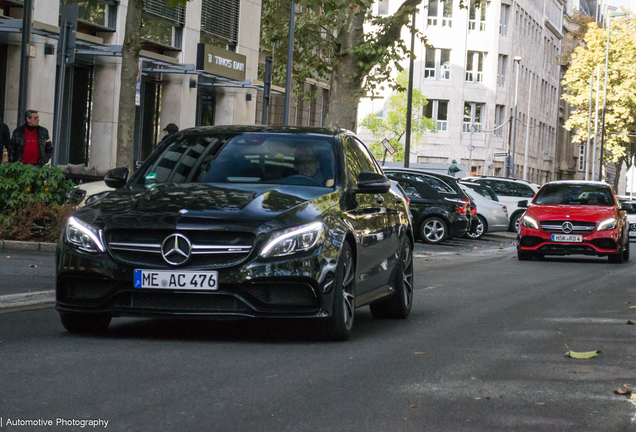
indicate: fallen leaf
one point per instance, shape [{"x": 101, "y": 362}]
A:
[
  {"x": 32, "y": 265},
  {"x": 629, "y": 323},
  {"x": 581, "y": 355},
  {"x": 579, "y": 371},
  {"x": 624, "y": 390},
  {"x": 631, "y": 307},
  {"x": 413, "y": 406},
  {"x": 419, "y": 353},
  {"x": 475, "y": 247},
  {"x": 8, "y": 257}
]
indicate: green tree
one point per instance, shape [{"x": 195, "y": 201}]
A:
[
  {"x": 339, "y": 41},
  {"x": 620, "y": 114},
  {"x": 129, "y": 70},
  {"x": 393, "y": 125}
]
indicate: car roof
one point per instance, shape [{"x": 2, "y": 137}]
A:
[
  {"x": 267, "y": 129},
  {"x": 420, "y": 171},
  {"x": 580, "y": 182},
  {"x": 473, "y": 178}
]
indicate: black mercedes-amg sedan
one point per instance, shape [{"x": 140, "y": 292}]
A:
[{"x": 241, "y": 221}]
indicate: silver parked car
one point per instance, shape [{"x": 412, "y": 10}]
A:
[{"x": 492, "y": 215}]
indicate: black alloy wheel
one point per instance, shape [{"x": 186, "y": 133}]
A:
[
  {"x": 338, "y": 326},
  {"x": 398, "y": 306},
  {"x": 85, "y": 323},
  {"x": 433, "y": 230},
  {"x": 479, "y": 230}
]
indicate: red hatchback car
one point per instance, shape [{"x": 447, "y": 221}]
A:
[{"x": 574, "y": 217}]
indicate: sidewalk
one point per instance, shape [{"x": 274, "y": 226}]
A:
[{"x": 27, "y": 278}]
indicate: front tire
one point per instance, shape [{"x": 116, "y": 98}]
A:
[
  {"x": 398, "y": 306},
  {"x": 433, "y": 230},
  {"x": 480, "y": 229},
  {"x": 616, "y": 258},
  {"x": 338, "y": 326},
  {"x": 85, "y": 323}
]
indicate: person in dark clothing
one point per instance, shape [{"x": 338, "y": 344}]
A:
[
  {"x": 5, "y": 138},
  {"x": 30, "y": 143}
]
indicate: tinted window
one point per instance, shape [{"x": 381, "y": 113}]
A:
[
  {"x": 438, "y": 185},
  {"x": 500, "y": 187},
  {"x": 629, "y": 207},
  {"x": 409, "y": 189},
  {"x": 357, "y": 160},
  {"x": 245, "y": 158},
  {"x": 522, "y": 190},
  {"x": 574, "y": 194}
]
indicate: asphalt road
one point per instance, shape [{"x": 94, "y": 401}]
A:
[{"x": 483, "y": 350}]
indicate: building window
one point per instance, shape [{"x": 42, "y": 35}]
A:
[
  {"x": 582, "y": 157},
  {"x": 101, "y": 13},
  {"x": 437, "y": 64},
  {"x": 438, "y": 111},
  {"x": 503, "y": 24},
  {"x": 477, "y": 15},
  {"x": 220, "y": 20},
  {"x": 473, "y": 114},
  {"x": 499, "y": 119},
  {"x": 475, "y": 66},
  {"x": 162, "y": 24},
  {"x": 501, "y": 70},
  {"x": 435, "y": 7},
  {"x": 383, "y": 7}
]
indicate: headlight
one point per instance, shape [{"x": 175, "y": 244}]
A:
[
  {"x": 293, "y": 240},
  {"x": 84, "y": 236},
  {"x": 607, "y": 224},
  {"x": 529, "y": 222}
]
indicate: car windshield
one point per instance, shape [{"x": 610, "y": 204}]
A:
[
  {"x": 575, "y": 194},
  {"x": 629, "y": 207},
  {"x": 272, "y": 158}
]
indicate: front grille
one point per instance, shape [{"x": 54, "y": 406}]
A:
[
  {"x": 210, "y": 249},
  {"x": 567, "y": 249},
  {"x": 178, "y": 302},
  {"x": 604, "y": 243},
  {"x": 530, "y": 241},
  {"x": 578, "y": 227},
  {"x": 283, "y": 294}
]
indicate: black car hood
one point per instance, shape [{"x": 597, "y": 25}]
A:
[{"x": 198, "y": 205}]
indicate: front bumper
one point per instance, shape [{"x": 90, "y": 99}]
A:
[
  {"x": 298, "y": 287},
  {"x": 598, "y": 243}
]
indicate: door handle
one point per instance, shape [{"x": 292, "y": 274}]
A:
[{"x": 379, "y": 199}]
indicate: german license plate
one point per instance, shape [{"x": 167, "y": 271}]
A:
[
  {"x": 632, "y": 233},
  {"x": 571, "y": 238},
  {"x": 166, "y": 279}
]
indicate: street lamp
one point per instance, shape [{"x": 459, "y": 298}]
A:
[
  {"x": 609, "y": 22},
  {"x": 511, "y": 159}
]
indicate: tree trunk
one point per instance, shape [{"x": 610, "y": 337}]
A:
[
  {"x": 346, "y": 77},
  {"x": 617, "y": 177},
  {"x": 129, "y": 70}
]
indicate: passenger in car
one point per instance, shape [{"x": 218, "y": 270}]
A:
[{"x": 307, "y": 164}]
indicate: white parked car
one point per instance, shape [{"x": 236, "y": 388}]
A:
[
  {"x": 87, "y": 190},
  {"x": 629, "y": 205},
  {"x": 492, "y": 215},
  {"x": 509, "y": 192}
]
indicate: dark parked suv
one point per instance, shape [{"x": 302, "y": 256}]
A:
[
  {"x": 269, "y": 222},
  {"x": 440, "y": 209}
]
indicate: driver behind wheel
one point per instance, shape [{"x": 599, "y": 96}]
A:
[{"x": 307, "y": 164}]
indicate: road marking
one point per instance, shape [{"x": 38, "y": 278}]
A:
[{"x": 587, "y": 320}]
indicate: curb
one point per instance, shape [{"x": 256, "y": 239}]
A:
[
  {"x": 24, "y": 246},
  {"x": 35, "y": 300}
]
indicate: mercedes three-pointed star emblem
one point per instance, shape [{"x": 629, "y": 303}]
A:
[
  {"x": 567, "y": 227},
  {"x": 176, "y": 249}
]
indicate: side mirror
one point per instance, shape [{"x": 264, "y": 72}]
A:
[
  {"x": 372, "y": 183},
  {"x": 522, "y": 204},
  {"x": 116, "y": 178}
]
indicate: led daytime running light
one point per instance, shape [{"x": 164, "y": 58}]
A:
[
  {"x": 86, "y": 230},
  {"x": 294, "y": 233}
]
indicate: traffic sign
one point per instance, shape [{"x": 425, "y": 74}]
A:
[
  {"x": 500, "y": 154},
  {"x": 387, "y": 145}
]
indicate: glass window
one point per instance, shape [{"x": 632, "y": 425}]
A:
[
  {"x": 438, "y": 185},
  {"x": 437, "y": 110},
  {"x": 383, "y": 7},
  {"x": 499, "y": 113},
  {"x": 574, "y": 194},
  {"x": 95, "y": 12},
  {"x": 473, "y": 114},
  {"x": 446, "y": 9},
  {"x": 244, "y": 158},
  {"x": 581, "y": 157},
  {"x": 475, "y": 66},
  {"x": 429, "y": 68},
  {"x": 157, "y": 31},
  {"x": 503, "y": 24},
  {"x": 432, "y": 12},
  {"x": 477, "y": 15},
  {"x": 410, "y": 190},
  {"x": 501, "y": 70},
  {"x": 444, "y": 63}
]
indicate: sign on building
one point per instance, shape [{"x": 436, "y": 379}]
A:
[{"x": 218, "y": 61}]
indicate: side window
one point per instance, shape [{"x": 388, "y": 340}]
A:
[
  {"x": 357, "y": 160},
  {"x": 410, "y": 190},
  {"x": 438, "y": 185},
  {"x": 368, "y": 157},
  {"x": 501, "y": 188},
  {"x": 526, "y": 191}
]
